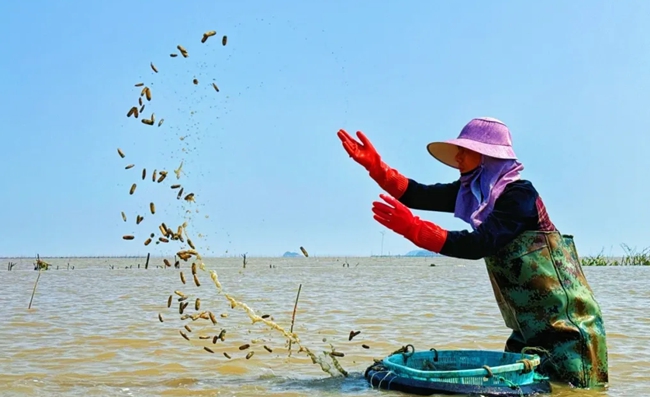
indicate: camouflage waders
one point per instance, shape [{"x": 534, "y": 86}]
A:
[{"x": 545, "y": 299}]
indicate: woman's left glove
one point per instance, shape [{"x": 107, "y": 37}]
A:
[{"x": 398, "y": 218}]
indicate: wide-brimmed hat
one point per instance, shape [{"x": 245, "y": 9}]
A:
[{"x": 485, "y": 135}]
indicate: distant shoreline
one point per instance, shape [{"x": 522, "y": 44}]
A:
[
  {"x": 634, "y": 259},
  {"x": 211, "y": 257},
  {"x": 286, "y": 255}
]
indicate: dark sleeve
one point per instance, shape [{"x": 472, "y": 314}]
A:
[
  {"x": 515, "y": 211},
  {"x": 440, "y": 197}
]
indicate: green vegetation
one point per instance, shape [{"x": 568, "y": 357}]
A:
[{"x": 630, "y": 258}]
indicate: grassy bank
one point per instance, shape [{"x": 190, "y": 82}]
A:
[{"x": 630, "y": 258}]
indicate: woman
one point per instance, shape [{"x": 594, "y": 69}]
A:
[{"x": 535, "y": 272}]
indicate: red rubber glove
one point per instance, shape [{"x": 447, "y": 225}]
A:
[
  {"x": 365, "y": 154},
  {"x": 398, "y": 218}
]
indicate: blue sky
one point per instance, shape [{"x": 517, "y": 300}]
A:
[{"x": 571, "y": 79}]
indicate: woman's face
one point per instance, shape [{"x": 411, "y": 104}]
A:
[{"x": 467, "y": 159}]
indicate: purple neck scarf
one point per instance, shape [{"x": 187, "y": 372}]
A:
[{"x": 479, "y": 189}]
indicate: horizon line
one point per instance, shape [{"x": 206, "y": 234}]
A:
[{"x": 218, "y": 256}]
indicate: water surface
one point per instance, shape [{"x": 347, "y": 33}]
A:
[{"x": 94, "y": 331}]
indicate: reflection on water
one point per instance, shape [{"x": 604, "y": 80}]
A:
[{"x": 95, "y": 332}]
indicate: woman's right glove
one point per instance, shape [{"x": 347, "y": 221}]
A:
[{"x": 365, "y": 154}]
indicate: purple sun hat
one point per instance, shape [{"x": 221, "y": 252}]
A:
[{"x": 485, "y": 135}]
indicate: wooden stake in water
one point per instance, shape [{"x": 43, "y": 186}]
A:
[
  {"x": 293, "y": 316},
  {"x": 34, "y": 290}
]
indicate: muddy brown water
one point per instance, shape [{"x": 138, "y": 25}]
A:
[{"x": 93, "y": 331}]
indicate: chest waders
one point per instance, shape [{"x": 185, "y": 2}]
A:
[{"x": 545, "y": 299}]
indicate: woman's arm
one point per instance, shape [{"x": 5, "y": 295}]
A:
[
  {"x": 438, "y": 197},
  {"x": 514, "y": 212}
]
